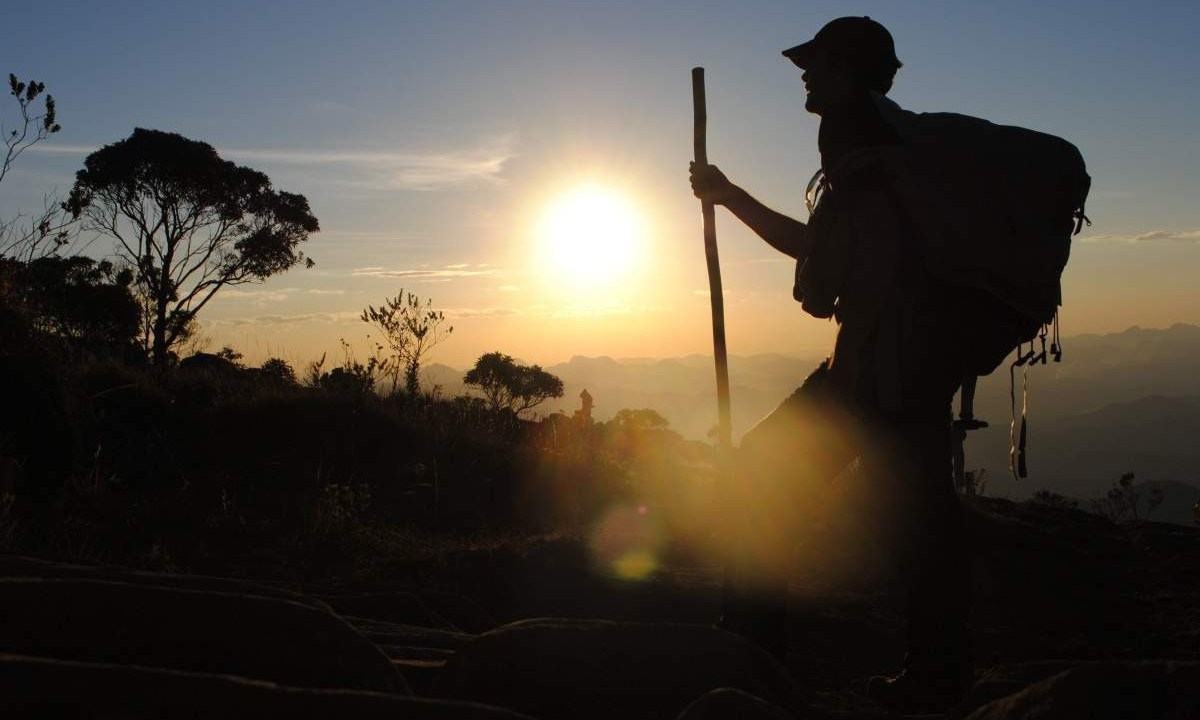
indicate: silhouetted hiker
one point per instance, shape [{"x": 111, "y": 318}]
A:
[{"x": 883, "y": 396}]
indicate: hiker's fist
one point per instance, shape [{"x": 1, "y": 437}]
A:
[{"x": 710, "y": 184}]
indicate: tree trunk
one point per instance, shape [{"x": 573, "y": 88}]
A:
[{"x": 158, "y": 350}]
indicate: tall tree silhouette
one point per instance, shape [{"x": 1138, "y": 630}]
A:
[{"x": 189, "y": 223}]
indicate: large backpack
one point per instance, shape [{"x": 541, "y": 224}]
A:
[{"x": 994, "y": 208}]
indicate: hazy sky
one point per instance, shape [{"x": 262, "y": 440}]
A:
[{"x": 432, "y": 138}]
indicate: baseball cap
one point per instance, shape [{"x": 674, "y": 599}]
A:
[{"x": 861, "y": 38}]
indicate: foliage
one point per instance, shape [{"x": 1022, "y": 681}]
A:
[
  {"x": 1121, "y": 503},
  {"x": 1053, "y": 499},
  {"x": 212, "y": 468},
  {"x": 83, "y": 304},
  {"x": 33, "y": 128},
  {"x": 411, "y": 329},
  {"x": 279, "y": 372},
  {"x": 233, "y": 356},
  {"x": 188, "y": 223},
  {"x": 351, "y": 378},
  {"x": 339, "y": 508},
  {"x": 639, "y": 420},
  {"x": 508, "y": 385},
  {"x": 46, "y": 232}
]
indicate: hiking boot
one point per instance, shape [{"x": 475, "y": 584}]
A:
[{"x": 914, "y": 692}]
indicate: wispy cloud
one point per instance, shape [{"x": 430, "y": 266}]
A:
[
  {"x": 458, "y": 313},
  {"x": 422, "y": 170},
  {"x": 355, "y": 240},
  {"x": 261, "y": 296},
  {"x": 284, "y": 319},
  {"x": 54, "y": 149},
  {"x": 444, "y": 274},
  {"x": 1183, "y": 236}
]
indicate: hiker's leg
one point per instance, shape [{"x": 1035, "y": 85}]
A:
[
  {"x": 933, "y": 556},
  {"x": 913, "y": 463},
  {"x": 781, "y": 463},
  {"x": 938, "y": 560}
]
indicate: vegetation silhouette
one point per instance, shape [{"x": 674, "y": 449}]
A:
[
  {"x": 410, "y": 329},
  {"x": 33, "y": 127},
  {"x": 52, "y": 228},
  {"x": 188, "y": 223},
  {"x": 510, "y": 386}
]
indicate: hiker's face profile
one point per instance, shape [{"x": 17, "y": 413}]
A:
[{"x": 828, "y": 82}]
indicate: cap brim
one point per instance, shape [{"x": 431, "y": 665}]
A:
[{"x": 801, "y": 55}]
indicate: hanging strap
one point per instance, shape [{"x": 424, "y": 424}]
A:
[{"x": 1018, "y": 435}]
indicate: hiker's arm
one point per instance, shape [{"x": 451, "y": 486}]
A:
[{"x": 781, "y": 232}]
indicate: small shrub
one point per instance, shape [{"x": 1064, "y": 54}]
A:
[{"x": 1053, "y": 499}]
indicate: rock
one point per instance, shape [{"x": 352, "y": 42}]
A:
[
  {"x": 213, "y": 632},
  {"x": 395, "y": 607},
  {"x": 412, "y": 635},
  {"x": 1147, "y": 690},
  {"x": 27, "y": 567},
  {"x": 732, "y": 704},
  {"x": 578, "y": 669},
  {"x": 408, "y": 652},
  {"x": 420, "y": 673},
  {"x": 1004, "y": 680},
  {"x": 458, "y": 611},
  {"x": 41, "y": 687}
]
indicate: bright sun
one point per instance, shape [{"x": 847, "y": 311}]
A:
[{"x": 590, "y": 235}]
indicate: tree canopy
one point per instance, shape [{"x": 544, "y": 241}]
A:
[
  {"x": 83, "y": 303},
  {"x": 508, "y": 385},
  {"x": 189, "y": 223}
]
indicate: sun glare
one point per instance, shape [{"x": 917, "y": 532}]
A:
[{"x": 590, "y": 235}]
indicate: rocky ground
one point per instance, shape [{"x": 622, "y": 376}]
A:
[{"x": 1074, "y": 617}]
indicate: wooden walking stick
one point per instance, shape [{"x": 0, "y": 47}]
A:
[{"x": 724, "y": 421}]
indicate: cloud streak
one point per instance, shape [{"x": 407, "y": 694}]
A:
[
  {"x": 459, "y": 313},
  {"x": 1152, "y": 236},
  {"x": 283, "y": 319},
  {"x": 445, "y": 274},
  {"x": 415, "y": 170}
]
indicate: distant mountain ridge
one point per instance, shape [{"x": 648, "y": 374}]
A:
[{"x": 1120, "y": 402}]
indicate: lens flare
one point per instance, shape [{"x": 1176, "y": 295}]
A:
[{"x": 627, "y": 542}]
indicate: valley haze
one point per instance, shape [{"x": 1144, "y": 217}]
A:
[{"x": 1119, "y": 402}]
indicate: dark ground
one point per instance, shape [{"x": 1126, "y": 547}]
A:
[{"x": 1054, "y": 588}]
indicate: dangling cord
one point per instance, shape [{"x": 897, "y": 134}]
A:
[
  {"x": 1012, "y": 414},
  {"x": 1056, "y": 348},
  {"x": 1080, "y": 219},
  {"x": 1022, "y": 469},
  {"x": 1016, "y": 449}
]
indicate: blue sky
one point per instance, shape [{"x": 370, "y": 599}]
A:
[{"x": 429, "y": 137}]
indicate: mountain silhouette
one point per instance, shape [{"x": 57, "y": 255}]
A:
[{"x": 1119, "y": 402}]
